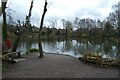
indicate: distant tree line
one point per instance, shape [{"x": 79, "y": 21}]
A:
[{"x": 86, "y": 27}]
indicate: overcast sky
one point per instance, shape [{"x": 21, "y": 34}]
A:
[{"x": 59, "y": 9}]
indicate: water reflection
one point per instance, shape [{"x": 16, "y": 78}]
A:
[{"x": 73, "y": 47}]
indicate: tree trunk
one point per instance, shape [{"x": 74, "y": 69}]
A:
[
  {"x": 16, "y": 43},
  {"x": 4, "y": 25},
  {"x": 40, "y": 29}
]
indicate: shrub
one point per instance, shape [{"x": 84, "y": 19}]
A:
[{"x": 33, "y": 50}]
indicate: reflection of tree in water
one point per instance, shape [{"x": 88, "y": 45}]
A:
[
  {"x": 100, "y": 49},
  {"x": 29, "y": 44},
  {"x": 118, "y": 49},
  {"x": 96, "y": 46},
  {"x": 53, "y": 44},
  {"x": 93, "y": 46},
  {"x": 21, "y": 46},
  {"x": 68, "y": 45},
  {"x": 63, "y": 46},
  {"x": 25, "y": 44},
  {"x": 50, "y": 43},
  {"x": 107, "y": 48},
  {"x": 77, "y": 48},
  {"x": 81, "y": 47},
  {"x": 113, "y": 52}
]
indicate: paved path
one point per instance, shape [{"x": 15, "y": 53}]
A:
[{"x": 57, "y": 66}]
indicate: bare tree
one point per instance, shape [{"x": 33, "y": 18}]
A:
[
  {"x": 53, "y": 23},
  {"x": 76, "y": 24},
  {"x": 28, "y": 23},
  {"x": 10, "y": 16},
  {"x": 18, "y": 35},
  {"x": 20, "y": 29},
  {"x": 40, "y": 29},
  {"x": 63, "y": 22},
  {"x": 68, "y": 26}
]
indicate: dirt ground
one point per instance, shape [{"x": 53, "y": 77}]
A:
[{"x": 57, "y": 66}]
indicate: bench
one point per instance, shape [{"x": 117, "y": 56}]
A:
[{"x": 7, "y": 56}]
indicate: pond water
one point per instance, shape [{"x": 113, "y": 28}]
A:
[{"x": 73, "y": 47}]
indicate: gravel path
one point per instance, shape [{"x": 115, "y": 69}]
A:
[{"x": 57, "y": 66}]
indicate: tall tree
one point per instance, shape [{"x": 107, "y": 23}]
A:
[
  {"x": 108, "y": 29},
  {"x": 114, "y": 16},
  {"x": 63, "y": 22},
  {"x": 28, "y": 23},
  {"x": 68, "y": 26},
  {"x": 53, "y": 23},
  {"x": 40, "y": 29},
  {"x": 118, "y": 29},
  {"x": 18, "y": 34},
  {"x": 99, "y": 23},
  {"x": 76, "y": 24},
  {"x": 119, "y": 19},
  {"x": 10, "y": 16},
  {"x": 19, "y": 31}
]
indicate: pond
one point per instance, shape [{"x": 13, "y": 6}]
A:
[{"x": 73, "y": 47}]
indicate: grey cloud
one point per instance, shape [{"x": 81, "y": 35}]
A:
[
  {"x": 22, "y": 10},
  {"x": 106, "y": 3},
  {"x": 86, "y": 11},
  {"x": 103, "y": 3},
  {"x": 52, "y": 18}
]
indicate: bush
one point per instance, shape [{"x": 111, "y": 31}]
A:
[
  {"x": 91, "y": 54},
  {"x": 33, "y": 50}
]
